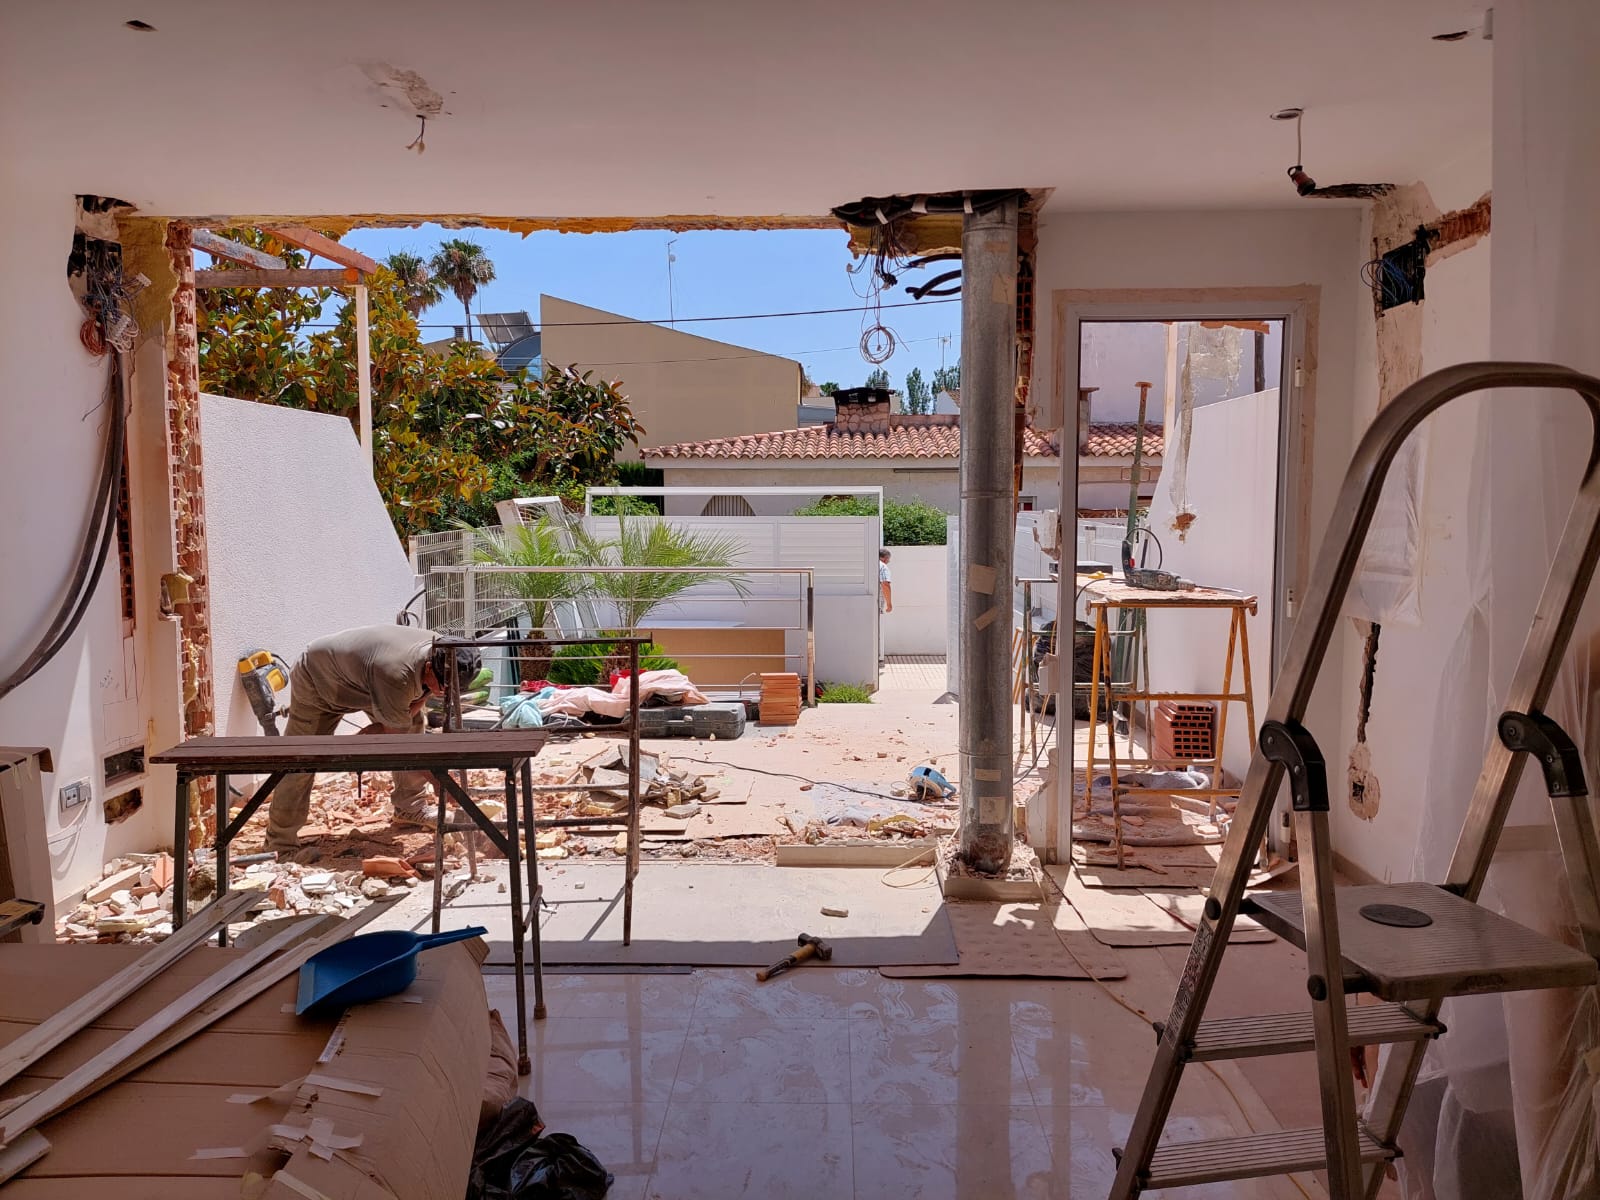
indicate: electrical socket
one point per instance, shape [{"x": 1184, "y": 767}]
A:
[{"x": 74, "y": 794}]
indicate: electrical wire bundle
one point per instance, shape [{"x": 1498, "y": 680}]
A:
[{"x": 96, "y": 545}]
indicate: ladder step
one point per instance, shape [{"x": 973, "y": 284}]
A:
[
  {"x": 1460, "y": 949},
  {"x": 1285, "y": 1152},
  {"x": 1293, "y": 1033}
]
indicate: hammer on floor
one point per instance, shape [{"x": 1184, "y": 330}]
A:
[{"x": 810, "y": 947}]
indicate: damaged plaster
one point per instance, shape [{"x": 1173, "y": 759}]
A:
[{"x": 1396, "y": 219}]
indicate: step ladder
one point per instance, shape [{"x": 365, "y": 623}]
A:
[{"x": 1411, "y": 945}]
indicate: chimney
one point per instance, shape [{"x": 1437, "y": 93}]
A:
[
  {"x": 861, "y": 410},
  {"x": 1084, "y": 406}
]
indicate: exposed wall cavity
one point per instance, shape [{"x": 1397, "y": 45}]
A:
[
  {"x": 1403, "y": 216},
  {"x": 188, "y": 508},
  {"x": 1365, "y": 792}
]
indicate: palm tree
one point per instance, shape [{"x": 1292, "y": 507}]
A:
[
  {"x": 652, "y": 542},
  {"x": 463, "y": 267},
  {"x": 537, "y": 545},
  {"x": 417, "y": 281}
]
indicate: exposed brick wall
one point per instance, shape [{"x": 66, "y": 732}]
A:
[
  {"x": 188, "y": 511},
  {"x": 876, "y": 418}
]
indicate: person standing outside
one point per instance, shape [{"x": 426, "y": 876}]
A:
[
  {"x": 385, "y": 671},
  {"x": 885, "y": 595}
]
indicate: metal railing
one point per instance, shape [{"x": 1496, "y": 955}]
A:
[{"x": 480, "y": 598}]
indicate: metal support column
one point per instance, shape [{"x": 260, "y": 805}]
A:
[{"x": 988, "y": 519}]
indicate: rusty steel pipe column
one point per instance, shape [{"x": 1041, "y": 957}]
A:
[{"x": 988, "y": 522}]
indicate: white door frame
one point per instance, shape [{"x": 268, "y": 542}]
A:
[{"x": 1298, "y": 309}]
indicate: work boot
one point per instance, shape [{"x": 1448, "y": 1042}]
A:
[
  {"x": 415, "y": 820},
  {"x": 304, "y": 855}
]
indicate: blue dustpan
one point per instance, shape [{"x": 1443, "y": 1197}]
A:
[{"x": 367, "y": 967}]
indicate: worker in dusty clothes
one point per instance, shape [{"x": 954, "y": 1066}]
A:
[{"x": 385, "y": 671}]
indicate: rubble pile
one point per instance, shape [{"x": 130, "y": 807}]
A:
[{"x": 133, "y": 902}]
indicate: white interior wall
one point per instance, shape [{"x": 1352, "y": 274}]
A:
[
  {"x": 1415, "y": 677},
  {"x": 90, "y": 700},
  {"x": 300, "y": 542},
  {"x": 1233, "y": 486},
  {"x": 1545, "y": 305}
]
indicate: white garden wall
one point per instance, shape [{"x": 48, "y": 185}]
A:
[
  {"x": 1233, "y": 482},
  {"x": 918, "y": 623},
  {"x": 300, "y": 542},
  {"x": 843, "y": 552}
]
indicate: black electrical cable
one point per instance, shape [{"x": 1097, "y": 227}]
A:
[
  {"x": 843, "y": 787},
  {"x": 96, "y": 544}
]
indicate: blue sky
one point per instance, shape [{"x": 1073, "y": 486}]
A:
[{"x": 716, "y": 274}]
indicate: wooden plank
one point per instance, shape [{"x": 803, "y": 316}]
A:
[
  {"x": 334, "y": 930},
  {"x": 858, "y": 853},
  {"x": 350, "y": 752},
  {"x": 84, "y": 1081},
  {"x": 249, "y": 277},
  {"x": 28, "y": 1049},
  {"x": 309, "y": 239},
  {"x": 220, "y": 247},
  {"x": 22, "y": 1153}
]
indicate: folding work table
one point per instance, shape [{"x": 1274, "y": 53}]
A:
[{"x": 507, "y": 751}]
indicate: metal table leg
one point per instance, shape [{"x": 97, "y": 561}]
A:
[
  {"x": 221, "y": 855},
  {"x": 438, "y": 851},
  {"x": 518, "y": 933},
  {"x": 530, "y": 829},
  {"x": 180, "y": 852}
]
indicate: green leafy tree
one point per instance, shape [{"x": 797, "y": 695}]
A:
[
  {"x": 829, "y": 388},
  {"x": 462, "y": 266},
  {"x": 919, "y": 397},
  {"x": 905, "y": 522},
  {"x": 451, "y": 434},
  {"x": 879, "y": 378},
  {"x": 947, "y": 379},
  {"x": 416, "y": 278}
]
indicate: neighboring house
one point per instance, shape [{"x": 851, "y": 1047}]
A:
[
  {"x": 816, "y": 407},
  {"x": 947, "y": 402},
  {"x": 1105, "y": 465},
  {"x": 682, "y": 387},
  {"x": 910, "y": 457}
]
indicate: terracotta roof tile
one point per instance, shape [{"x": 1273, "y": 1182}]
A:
[
  {"x": 1108, "y": 440},
  {"x": 903, "y": 440}
]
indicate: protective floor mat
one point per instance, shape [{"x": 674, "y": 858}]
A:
[
  {"x": 1044, "y": 939},
  {"x": 725, "y": 915}
]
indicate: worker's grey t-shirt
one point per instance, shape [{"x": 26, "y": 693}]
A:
[{"x": 376, "y": 669}]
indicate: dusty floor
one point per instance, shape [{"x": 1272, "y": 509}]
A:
[
  {"x": 839, "y": 1082},
  {"x": 774, "y": 781}
]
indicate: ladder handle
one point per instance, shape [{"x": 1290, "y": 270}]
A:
[{"x": 1358, "y": 500}]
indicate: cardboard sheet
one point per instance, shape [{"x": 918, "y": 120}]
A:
[{"x": 401, "y": 1089}]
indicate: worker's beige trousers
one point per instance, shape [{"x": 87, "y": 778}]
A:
[{"x": 291, "y": 799}]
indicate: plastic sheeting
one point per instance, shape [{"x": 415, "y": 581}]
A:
[
  {"x": 1512, "y": 1069},
  {"x": 1387, "y": 588}
]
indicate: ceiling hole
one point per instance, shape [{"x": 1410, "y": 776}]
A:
[
  {"x": 140, "y": 26},
  {"x": 1287, "y": 114},
  {"x": 1457, "y": 36}
]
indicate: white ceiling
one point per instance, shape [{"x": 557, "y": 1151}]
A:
[{"x": 734, "y": 107}]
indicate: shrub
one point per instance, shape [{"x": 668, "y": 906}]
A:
[
  {"x": 843, "y": 693},
  {"x": 905, "y": 522},
  {"x": 585, "y": 666}
]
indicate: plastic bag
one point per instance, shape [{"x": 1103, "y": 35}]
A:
[
  {"x": 513, "y": 1161},
  {"x": 557, "y": 1167}
]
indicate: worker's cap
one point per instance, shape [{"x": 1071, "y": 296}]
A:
[{"x": 468, "y": 661}]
